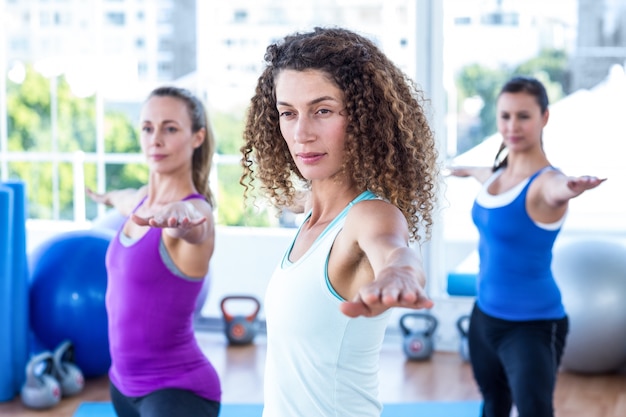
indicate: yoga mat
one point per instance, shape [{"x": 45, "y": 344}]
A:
[{"x": 424, "y": 409}]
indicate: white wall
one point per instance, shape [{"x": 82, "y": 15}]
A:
[{"x": 245, "y": 258}]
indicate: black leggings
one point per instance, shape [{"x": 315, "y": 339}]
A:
[
  {"x": 163, "y": 403},
  {"x": 516, "y": 363}
]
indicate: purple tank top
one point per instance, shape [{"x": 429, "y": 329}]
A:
[{"x": 150, "y": 317}]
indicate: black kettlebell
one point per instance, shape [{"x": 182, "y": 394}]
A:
[
  {"x": 240, "y": 329},
  {"x": 41, "y": 389},
  {"x": 462, "y": 324},
  {"x": 418, "y": 330}
]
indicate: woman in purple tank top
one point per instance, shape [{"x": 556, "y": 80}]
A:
[{"x": 156, "y": 264}]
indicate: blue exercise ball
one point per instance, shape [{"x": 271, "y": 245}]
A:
[
  {"x": 591, "y": 274},
  {"x": 67, "y": 292}
]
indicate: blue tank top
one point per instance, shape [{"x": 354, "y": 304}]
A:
[
  {"x": 150, "y": 306},
  {"x": 515, "y": 280}
]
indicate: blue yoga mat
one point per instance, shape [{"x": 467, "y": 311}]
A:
[{"x": 425, "y": 409}]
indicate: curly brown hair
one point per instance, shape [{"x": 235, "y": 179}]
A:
[{"x": 390, "y": 147}]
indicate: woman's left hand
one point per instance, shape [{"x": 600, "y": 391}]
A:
[
  {"x": 384, "y": 293},
  {"x": 179, "y": 215},
  {"x": 578, "y": 185}
]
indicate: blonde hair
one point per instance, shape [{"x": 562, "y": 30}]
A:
[{"x": 202, "y": 157}]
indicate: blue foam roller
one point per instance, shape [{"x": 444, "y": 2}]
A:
[
  {"x": 7, "y": 391},
  {"x": 19, "y": 287},
  {"x": 462, "y": 284}
]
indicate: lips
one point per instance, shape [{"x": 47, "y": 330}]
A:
[
  {"x": 310, "y": 157},
  {"x": 515, "y": 139}
]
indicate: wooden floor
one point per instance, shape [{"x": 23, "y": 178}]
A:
[{"x": 442, "y": 378}]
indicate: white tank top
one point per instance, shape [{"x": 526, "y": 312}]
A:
[{"x": 319, "y": 361}]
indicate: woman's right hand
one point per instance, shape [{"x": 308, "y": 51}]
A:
[
  {"x": 124, "y": 200},
  {"x": 99, "y": 198},
  {"x": 479, "y": 173},
  {"x": 457, "y": 172}
]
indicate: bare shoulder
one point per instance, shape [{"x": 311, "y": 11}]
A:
[
  {"x": 375, "y": 216},
  {"x": 549, "y": 177},
  {"x": 203, "y": 206},
  {"x": 125, "y": 200}
]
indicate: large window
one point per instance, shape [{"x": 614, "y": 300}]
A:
[
  {"x": 69, "y": 118},
  {"x": 574, "y": 48}
]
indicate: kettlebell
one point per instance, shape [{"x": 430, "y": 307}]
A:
[
  {"x": 418, "y": 343},
  {"x": 66, "y": 371},
  {"x": 462, "y": 325},
  {"x": 41, "y": 389},
  {"x": 240, "y": 329}
]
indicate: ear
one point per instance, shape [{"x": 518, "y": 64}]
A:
[
  {"x": 545, "y": 117},
  {"x": 199, "y": 137}
]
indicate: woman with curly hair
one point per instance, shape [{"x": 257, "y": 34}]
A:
[{"x": 333, "y": 115}]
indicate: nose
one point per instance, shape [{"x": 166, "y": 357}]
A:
[
  {"x": 513, "y": 124},
  {"x": 154, "y": 138},
  {"x": 302, "y": 130}
]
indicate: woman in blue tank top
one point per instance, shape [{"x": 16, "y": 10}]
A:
[
  {"x": 518, "y": 325},
  {"x": 156, "y": 264}
]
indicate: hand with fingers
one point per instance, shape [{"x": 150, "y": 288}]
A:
[
  {"x": 387, "y": 291},
  {"x": 180, "y": 215},
  {"x": 100, "y": 198},
  {"x": 579, "y": 185}
]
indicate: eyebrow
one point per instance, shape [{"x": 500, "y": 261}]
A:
[
  {"x": 515, "y": 112},
  {"x": 163, "y": 123},
  {"x": 314, "y": 101}
]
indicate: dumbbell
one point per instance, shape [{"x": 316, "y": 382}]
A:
[
  {"x": 462, "y": 325},
  {"x": 66, "y": 371},
  {"x": 240, "y": 329},
  {"x": 41, "y": 389},
  {"x": 418, "y": 330}
]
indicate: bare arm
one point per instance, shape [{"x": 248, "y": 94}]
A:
[
  {"x": 558, "y": 189},
  {"x": 190, "y": 220},
  {"x": 481, "y": 174},
  {"x": 399, "y": 278},
  {"x": 179, "y": 219},
  {"x": 124, "y": 200}
]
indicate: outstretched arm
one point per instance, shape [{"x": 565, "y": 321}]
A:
[
  {"x": 399, "y": 277},
  {"x": 123, "y": 200},
  {"x": 182, "y": 220},
  {"x": 559, "y": 189},
  {"x": 481, "y": 174}
]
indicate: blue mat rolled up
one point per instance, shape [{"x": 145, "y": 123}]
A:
[{"x": 462, "y": 284}]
